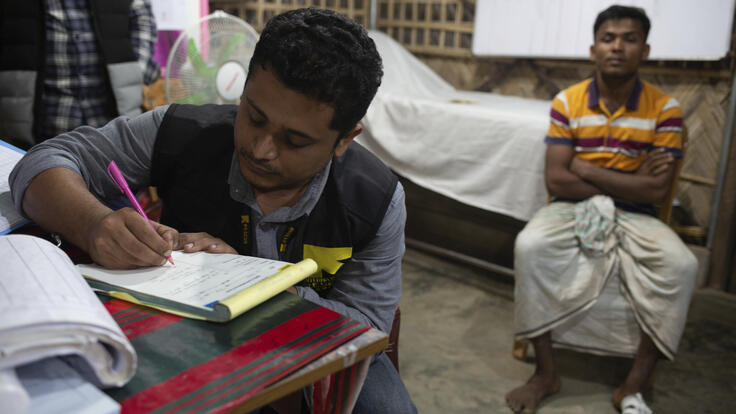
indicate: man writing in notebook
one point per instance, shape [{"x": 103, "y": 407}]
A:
[
  {"x": 611, "y": 147},
  {"x": 276, "y": 177}
]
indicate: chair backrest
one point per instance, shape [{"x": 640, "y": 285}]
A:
[{"x": 665, "y": 210}]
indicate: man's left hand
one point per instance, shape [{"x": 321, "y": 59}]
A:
[{"x": 203, "y": 242}]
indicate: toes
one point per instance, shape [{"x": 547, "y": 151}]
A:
[{"x": 514, "y": 405}]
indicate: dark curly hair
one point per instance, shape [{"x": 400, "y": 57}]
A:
[
  {"x": 617, "y": 12},
  {"x": 325, "y": 56}
]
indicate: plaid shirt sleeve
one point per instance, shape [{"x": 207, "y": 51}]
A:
[{"x": 143, "y": 37}]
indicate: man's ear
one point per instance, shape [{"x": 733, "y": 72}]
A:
[
  {"x": 645, "y": 52},
  {"x": 344, "y": 142}
]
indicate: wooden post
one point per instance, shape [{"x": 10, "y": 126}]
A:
[{"x": 723, "y": 266}]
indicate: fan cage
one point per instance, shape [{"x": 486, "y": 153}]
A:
[{"x": 215, "y": 39}]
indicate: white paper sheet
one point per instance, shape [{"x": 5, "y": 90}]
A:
[
  {"x": 198, "y": 279},
  {"x": 10, "y": 218},
  {"x": 47, "y": 309},
  {"x": 13, "y": 396},
  {"x": 55, "y": 387}
]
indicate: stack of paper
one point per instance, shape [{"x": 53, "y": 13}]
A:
[{"x": 48, "y": 311}]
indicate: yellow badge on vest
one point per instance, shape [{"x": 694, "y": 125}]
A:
[{"x": 329, "y": 260}]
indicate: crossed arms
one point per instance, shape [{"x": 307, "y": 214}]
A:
[{"x": 570, "y": 177}]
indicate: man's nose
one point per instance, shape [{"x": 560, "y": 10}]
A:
[
  {"x": 618, "y": 44},
  {"x": 264, "y": 147}
]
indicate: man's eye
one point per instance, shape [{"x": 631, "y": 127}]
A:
[
  {"x": 296, "y": 142},
  {"x": 256, "y": 121}
]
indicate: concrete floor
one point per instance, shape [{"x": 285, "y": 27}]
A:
[{"x": 456, "y": 337}]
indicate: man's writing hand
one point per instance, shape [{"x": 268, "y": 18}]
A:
[
  {"x": 657, "y": 162},
  {"x": 203, "y": 242},
  {"x": 123, "y": 239}
]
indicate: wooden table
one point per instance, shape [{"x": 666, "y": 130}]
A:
[
  {"x": 279, "y": 347},
  {"x": 186, "y": 365}
]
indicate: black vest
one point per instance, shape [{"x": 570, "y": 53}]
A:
[{"x": 191, "y": 163}]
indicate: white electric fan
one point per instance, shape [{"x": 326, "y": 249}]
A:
[{"x": 208, "y": 62}]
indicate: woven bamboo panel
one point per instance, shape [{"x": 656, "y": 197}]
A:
[
  {"x": 258, "y": 12},
  {"x": 705, "y": 106},
  {"x": 434, "y": 27}
]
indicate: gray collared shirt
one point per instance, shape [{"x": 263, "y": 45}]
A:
[{"x": 367, "y": 287}]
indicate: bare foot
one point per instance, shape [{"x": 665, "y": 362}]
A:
[
  {"x": 526, "y": 398},
  {"x": 618, "y": 395}
]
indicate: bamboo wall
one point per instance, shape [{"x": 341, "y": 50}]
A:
[
  {"x": 258, "y": 12},
  {"x": 439, "y": 27}
]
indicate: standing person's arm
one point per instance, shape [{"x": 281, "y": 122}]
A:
[
  {"x": 368, "y": 286},
  {"x": 61, "y": 182},
  {"x": 143, "y": 36}
]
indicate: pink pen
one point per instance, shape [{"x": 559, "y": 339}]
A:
[{"x": 117, "y": 177}]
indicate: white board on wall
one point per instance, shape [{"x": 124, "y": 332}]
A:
[
  {"x": 681, "y": 29},
  {"x": 175, "y": 14}
]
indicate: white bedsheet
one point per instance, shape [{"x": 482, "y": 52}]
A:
[{"x": 487, "y": 152}]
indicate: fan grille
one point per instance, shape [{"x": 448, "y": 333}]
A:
[{"x": 201, "y": 51}]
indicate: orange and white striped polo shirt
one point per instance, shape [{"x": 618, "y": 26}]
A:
[{"x": 650, "y": 119}]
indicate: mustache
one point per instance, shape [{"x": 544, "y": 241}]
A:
[{"x": 259, "y": 164}]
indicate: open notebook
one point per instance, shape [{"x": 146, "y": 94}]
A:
[{"x": 216, "y": 287}]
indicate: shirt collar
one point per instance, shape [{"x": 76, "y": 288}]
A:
[
  {"x": 631, "y": 104},
  {"x": 242, "y": 191}
]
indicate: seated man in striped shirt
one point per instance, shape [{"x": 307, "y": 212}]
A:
[{"x": 611, "y": 150}]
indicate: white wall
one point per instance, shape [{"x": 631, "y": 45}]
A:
[
  {"x": 176, "y": 14},
  {"x": 681, "y": 29}
]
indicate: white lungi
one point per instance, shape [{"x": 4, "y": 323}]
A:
[{"x": 562, "y": 261}]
